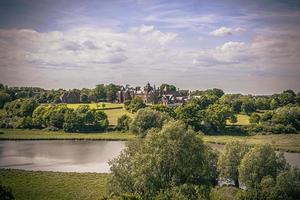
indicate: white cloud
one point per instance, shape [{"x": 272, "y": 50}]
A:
[
  {"x": 149, "y": 33},
  {"x": 281, "y": 51},
  {"x": 224, "y": 31}
]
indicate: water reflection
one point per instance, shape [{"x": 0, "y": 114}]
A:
[
  {"x": 72, "y": 156},
  {"x": 75, "y": 156}
]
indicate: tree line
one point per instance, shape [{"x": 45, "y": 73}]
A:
[{"x": 172, "y": 162}]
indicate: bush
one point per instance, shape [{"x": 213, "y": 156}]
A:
[
  {"x": 254, "y": 118},
  {"x": 146, "y": 119},
  {"x": 135, "y": 104},
  {"x": 124, "y": 122},
  {"x": 84, "y": 119},
  {"x": 6, "y": 193},
  {"x": 271, "y": 128},
  {"x": 225, "y": 193}
]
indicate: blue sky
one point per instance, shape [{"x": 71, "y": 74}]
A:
[{"x": 239, "y": 46}]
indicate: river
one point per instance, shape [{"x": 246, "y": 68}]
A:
[{"x": 71, "y": 155}]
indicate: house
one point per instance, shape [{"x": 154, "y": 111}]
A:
[
  {"x": 72, "y": 96},
  {"x": 148, "y": 94}
]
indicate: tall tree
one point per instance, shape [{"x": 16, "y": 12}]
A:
[{"x": 229, "y": 161}]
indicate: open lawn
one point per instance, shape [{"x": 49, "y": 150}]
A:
[
  {"x": 284, "y": 142},
  {"x": 30, "y": 185},
  {"x": 97, "y": 105},
  {"x": 242, "y": 120},
  {"x": 114, "y": 114},
  {"x": 26, "y": 134},
  {"x": 113, "y": 110}
]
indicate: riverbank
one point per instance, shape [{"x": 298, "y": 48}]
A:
[
  {"x": 37, "y": 185},
  {"x": 283, "y": 142},
  {"x": 26, "y": 134}
]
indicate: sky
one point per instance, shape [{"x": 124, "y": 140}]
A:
[{"x": 245, "y": 46}]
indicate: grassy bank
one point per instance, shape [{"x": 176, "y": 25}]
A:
[
  {"x": 20, "y": 134},
  {"x": 29, "y": 185},
  {"x": 284, "y": 142}
]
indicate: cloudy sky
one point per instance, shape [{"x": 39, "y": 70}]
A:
[{"x": 238, "y": 46}]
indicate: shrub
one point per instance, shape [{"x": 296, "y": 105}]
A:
[
  {"x": 146, "y": 119},
  {"x": 124, "y": 122},
  {"x": 254, "y": 118},
  {"x": 6, "y": 193}
]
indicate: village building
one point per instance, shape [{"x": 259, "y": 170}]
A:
[
  {"x": 72, "y": 96},
  {"x": 149, "y": 94},
  {"x": 153, "y": 95}
]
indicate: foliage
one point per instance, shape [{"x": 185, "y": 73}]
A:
[
  {"x": 84, "y": 119},
  {"x": 135, "y": 104},
  {"x": 124, "y": 122},
  {"x": 225, "y": 193},
  {"x": 287, "y": 116},
  {"x": 233, "y": 119},
  {"x": 209, "y": 120},
  {"x": 4, "y": 97},
  {"x": 229, "y": 161},
  {"x": 165, "y": 109},
  {"x": 254, "y": 118},
  {"x": 248, "y": 106},
  {"x": 6, "y": 193},
  {"x": 146, "y": 119},
  {"x": 171, "y": 157},
  {"x": 260, "y": 161},
  {"x": 50, "y": 115},
  {"x": 21, "y": 107},
  {"x": 84, "y": 98},
  {"x": 286, "y": 186},
  {"x": 184, "y": 192}
]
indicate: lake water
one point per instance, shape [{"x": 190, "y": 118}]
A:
[
  {"x": 59, "y": 155},
  {"x": 71, "y": 155}
]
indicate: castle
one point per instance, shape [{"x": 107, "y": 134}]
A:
[
  {"x": 148, "y": 94},
  {"x": 153, "y": 95}
]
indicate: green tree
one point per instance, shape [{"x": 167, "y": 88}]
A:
[
  {"x": 146, "y": 119},
  {"x": 287, "y": 116},
  {"x": 191, "y": 114},
  {"x": 260, "y": 161},
  {"x": 21, "y": 107},
  {"x": 233, "y": 119},
  {"x": 171, "y": 157},
  {"x": 254, "y": 118},
  {"x": 6, "y": 193},
  {"x": 136, "y": 104},
  {"x": 229, "y": 161},
  {"x": 124, "y": 122},
  {"x": 248, "y": 106},
  {"x": 165, "y": 109},
  {"x": 111, "y": 92},
  {"x": 4, "y": 97},
  {"x": 84, "y": 98},
  {"x": 100, "y": 92}
]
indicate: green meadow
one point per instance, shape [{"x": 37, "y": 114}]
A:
[{"x": 54, "y": 185}]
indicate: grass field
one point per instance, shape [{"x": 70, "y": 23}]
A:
[
  {"x": 113, "y": 110},
  {"x": 26, "y": 134},
  {"x": 284, "y": 142},
  {"x": 29, "y": 185},
  {"x": 97, "y": 105},
  {"x": 242, "y": 120},
  {"x": 114, "y": 114}
]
